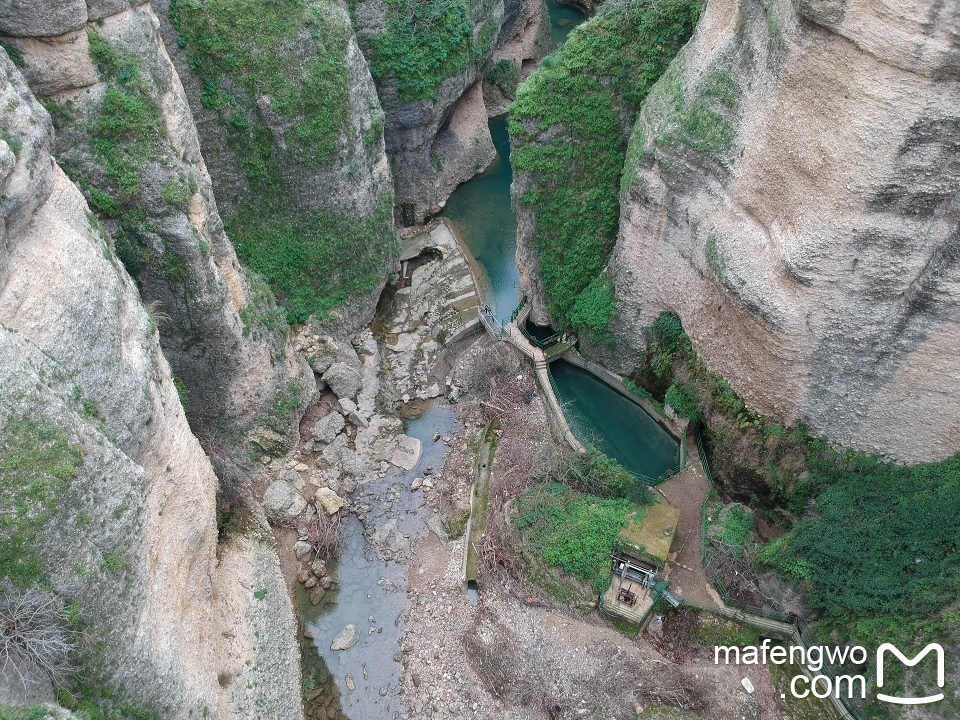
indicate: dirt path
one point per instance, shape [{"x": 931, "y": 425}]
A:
[{"x": 687, "y": 492}]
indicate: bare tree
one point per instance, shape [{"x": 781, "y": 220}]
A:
[
  {"x": 324, "y": 532},
  {"x": 34, "y": 636}
]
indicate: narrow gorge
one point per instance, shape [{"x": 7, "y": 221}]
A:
[{"x": 476, "y": 358}]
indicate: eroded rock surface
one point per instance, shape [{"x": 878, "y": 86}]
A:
[{"x": 807, "y": 237}]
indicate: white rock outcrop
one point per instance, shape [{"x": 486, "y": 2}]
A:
[{"x": 808, "y": 240}]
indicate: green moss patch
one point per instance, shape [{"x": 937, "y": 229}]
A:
[
  {"x": 37, "y": 463},
  {"x": 284, "y": 53},
  {"x": 315, "y": 261}
]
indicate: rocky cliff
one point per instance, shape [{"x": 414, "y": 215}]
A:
[
  {"x": 429, "y": 60},
  {"x": 791, "y": 192},
  {"x": 108, "y": 501},
  {"x": 290, "y": 124},
  {"x": 125, "y": 135}
]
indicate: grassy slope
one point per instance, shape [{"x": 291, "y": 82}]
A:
[
  {"x": 426, "y": 42},
  {"x": 566, "y": 132}
]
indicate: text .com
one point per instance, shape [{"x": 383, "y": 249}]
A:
[{"x": 816, "y": 657}]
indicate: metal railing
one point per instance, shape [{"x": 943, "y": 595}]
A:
[{"x": 490, "y": 322}]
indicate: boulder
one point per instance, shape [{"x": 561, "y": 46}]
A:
[
  {"x": 346, "y": 406},
  {"x": 39, "y": 18},
  {"x": 293, "y": 477},
  {"x": 302, "y": 549},
  {"x": 344, "y": 380},
  {"x": 316, "y": 595},
  {"x": 329, "y": 500},
  {"x": 328, "y": 427},
  {"x": 347, "y": 638},
  {"x": 283, "y": 502},
  {"x": 324, "y": 355},
  {"x": 407, "y": 452},
  {"x": 319, "y": 567}
]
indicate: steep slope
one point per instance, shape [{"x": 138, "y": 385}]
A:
[
  {"x": 108, "y": 501},
  {"x": 569, "y": 131},
  {"x": 428, "y": 59},
  {"x": 791, "y": 193},
  {"x": 126, "y": 136},
  {"x": 290, "y": 124}
]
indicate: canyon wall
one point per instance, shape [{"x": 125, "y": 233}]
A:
[
  {"x": 791, "y": 192},
  {"x": 125, "y": 135},
  {"x": 292, "y": 130},
  {"x": 108, "y": 500},
  {"x": 429, "y": 60}
]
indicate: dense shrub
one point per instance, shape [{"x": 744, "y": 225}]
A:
[
  {"x": 580, "y": 96},
  {"x": 572, "y": 531},
  {"x": 426, "y": 42},
  {"x": 505, "y": 75},
  {"x": 316, "y": 261}
]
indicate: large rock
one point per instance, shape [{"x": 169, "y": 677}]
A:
[
  {"x": 328, "y": 427},
  {"x": 282, "y": 501},
  {"x": 809, "y": 241},
  {"x": 407, "y": 453},
  {"x": 330, "y": 501},
  {"x": 344, "y": 380},
  {"x": 347, "y": 638},
  {"x": 41, "y": 18}
]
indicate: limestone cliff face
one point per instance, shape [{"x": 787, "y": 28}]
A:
[
  {"x": 126, "y": 135},
  {"x": 108, "y": 499},
  {"x": 792, "y": 193},
  {"x": 293, "y": 135},
  {"x": 438, "y": 138}
]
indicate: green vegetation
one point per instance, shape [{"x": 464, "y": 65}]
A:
[
  {"x": 182, "y": 393},
  {"x": 426, "y": 42},
  {"x": 92, "y": 700},
  {"x": 873, "y": 545},
  {"x": 37, "y": 463},
  {"x": 179, "y": 192},
  {"x": 312, "y": 261},
  {"x": 699, "y": 121},
  {"x": 711, "y": 631},
  {"x": 880, "y": 558},
  {"x": 252, "y": 47},
  {"x": 578, "y": 96},
  {"x": 13, "y": 52},
  {"x": 262, "y": 315},
  {"x": 505, "y": 75},
  {"x": 600, "y": 475},
  {"x": 572, "y": 531},
  {"x": 15, "y": 143},
  {"x": 593, "y": 310},
  {"x": 316, "y": 261}
]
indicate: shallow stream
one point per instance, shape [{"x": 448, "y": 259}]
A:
[{"x": 372, "y": 588}]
